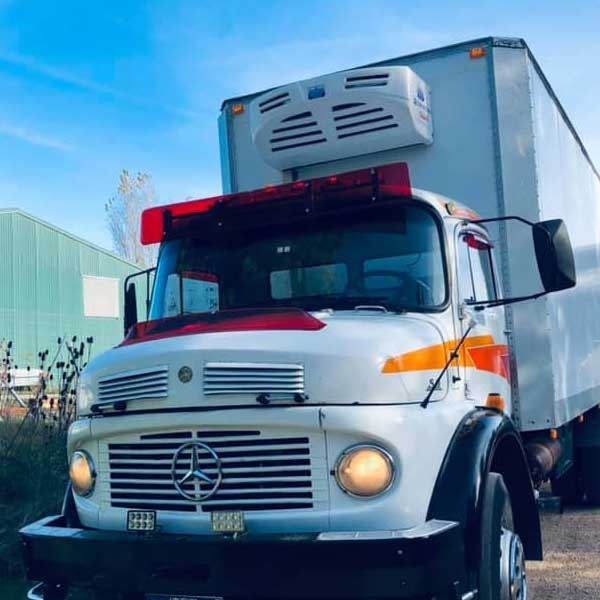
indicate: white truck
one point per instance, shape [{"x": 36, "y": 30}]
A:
[{"x": 352, "y": 378}]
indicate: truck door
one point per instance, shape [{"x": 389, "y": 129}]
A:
[{"x": 484, "y": 353}]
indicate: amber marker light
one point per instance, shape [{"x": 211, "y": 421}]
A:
[
  {"x": 238, "y": 109},
  {"x": 496, "y": 402},
  {"x": 478, "y": 52}
]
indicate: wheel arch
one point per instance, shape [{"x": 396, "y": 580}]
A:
[
  {"x": 486, "y": 441},
  {"x": 509, "y": 460}
]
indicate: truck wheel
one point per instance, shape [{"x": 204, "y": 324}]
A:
[
  {"x": 100, "y": 595},
  {"x": 54, "y": 591},
  {"x": 590, "y": 468},
  {"x": 568, "y": 487},
  {"x": 502, "y": 574}
]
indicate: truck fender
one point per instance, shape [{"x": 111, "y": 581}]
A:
[{"x": 486, "y": 441}]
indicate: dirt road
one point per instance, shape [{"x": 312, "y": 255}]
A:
[{"x": 571, "y": 569}]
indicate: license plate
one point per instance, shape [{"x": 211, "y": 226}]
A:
[{"x": 180, "y": 597}]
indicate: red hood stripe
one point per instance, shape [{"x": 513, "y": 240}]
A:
[{"x": 290, "y": 319}]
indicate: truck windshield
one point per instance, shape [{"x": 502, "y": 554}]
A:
[{"x": 392, "y": 259}]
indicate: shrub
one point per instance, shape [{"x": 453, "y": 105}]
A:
[{"x": 33, "y": 476}]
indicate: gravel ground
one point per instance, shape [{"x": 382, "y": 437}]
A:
[{"x": 571, "y": 567}]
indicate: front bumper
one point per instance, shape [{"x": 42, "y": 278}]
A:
[{"x": 424, "y": 561}]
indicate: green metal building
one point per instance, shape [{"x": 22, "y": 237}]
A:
[{"x": 54, "y": 284}]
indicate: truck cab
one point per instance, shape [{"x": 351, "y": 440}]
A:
[{"x": 319, "y": 401}]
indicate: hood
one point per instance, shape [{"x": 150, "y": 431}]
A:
[{"x": 339, "y": 361}]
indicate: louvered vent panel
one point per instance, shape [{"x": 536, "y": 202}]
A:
[
  {"x": 296, "y": 131},
  {"x": 274, "y": 471},
  {"x": 362, "y": 81},
  {"x": 274, "y": 102},
  {"x": 351, "y": 121},
  {"x": 134, "y": 385},
  {"x": 253, "y": 378}
]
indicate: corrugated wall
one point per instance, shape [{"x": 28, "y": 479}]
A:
[{"x": 41, "y": 287}]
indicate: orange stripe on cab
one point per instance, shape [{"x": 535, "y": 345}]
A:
[{"x": 478, "y": 352}]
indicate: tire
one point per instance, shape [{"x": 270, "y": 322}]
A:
[
  {"x": 569, "y": 487},
  {"x": 590, "y": 469},
  {"x": 99, "y": 595},
  {"x": 52, "y": 591},
  {"x": 501, "y": 574}
]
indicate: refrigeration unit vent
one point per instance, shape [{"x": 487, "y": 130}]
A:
[
  {"x": 341, "y": 115},
  {"x": 375, "y": 80},
  {"x": 353, "y": 122},
  {"x": 274, "y": 102}
]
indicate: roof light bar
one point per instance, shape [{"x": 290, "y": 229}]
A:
[{"x": 390, "y": 179}]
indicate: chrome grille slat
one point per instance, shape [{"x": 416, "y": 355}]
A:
[
  {"x": 252, "y": 378},
  {"x": 153, "y": 455},
  {"x": 237, "y": 465},
  {"x": 209, "y": 471},
  {"x": 272, "y": 443},
  {"x": 162, "y": 477},
  {"x": 167, "y": 487},
  {"x": 143, "y": 384},
  {"x": 260, "y": 471}
]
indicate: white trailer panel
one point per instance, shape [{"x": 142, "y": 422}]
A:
[{"x": 503, "y": 145}]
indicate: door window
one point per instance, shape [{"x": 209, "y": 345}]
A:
[{"x": 476, "y": 270}]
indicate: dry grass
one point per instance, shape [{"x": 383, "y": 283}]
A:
[{"x": 33, "y": 475}]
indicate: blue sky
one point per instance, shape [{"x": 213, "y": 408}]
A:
[{"x": 90, "y": 88}]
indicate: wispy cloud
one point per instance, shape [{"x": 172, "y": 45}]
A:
[
  {"x": 33, "y": 137},
  {"x": 251, "y": 64},
  {"x": 53, "y": 73}
]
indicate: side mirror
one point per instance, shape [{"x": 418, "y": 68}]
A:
[
  {"x": 554, "y": 255},
  {"x": 131, "y": 316}
]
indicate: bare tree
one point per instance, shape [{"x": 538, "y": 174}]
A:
[{"x": 123, "y": 211}]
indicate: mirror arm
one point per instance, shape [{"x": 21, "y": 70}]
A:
[
  {"x": 507, "y": 218},
  {"x": 482, "y": 304}
]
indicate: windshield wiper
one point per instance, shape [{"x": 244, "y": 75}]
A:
[{"x": 453, "y": 356}]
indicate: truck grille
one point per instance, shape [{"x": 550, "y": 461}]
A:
[
  {"x": 261, "y": 472},
  {"x": 253, "y": 378},
  {"x": 134, "y": 385}
]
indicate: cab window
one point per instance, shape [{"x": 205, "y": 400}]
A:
[{"x": 476, "y": 270}]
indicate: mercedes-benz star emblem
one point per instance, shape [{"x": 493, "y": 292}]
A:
[{"x": 204, "y": 471}]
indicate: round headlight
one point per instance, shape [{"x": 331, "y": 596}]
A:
[
  {"x": 82, "y": 473},
  {"x": 365, "y": 471}
]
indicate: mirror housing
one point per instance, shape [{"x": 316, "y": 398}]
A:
[
  {"x": 554, "y": 255},
  {"x": 130, "y": 316}
]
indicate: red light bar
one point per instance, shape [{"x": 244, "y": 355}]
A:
[
  {"x": 153, "y": 219},
  {"x": 390, "y": 179}
]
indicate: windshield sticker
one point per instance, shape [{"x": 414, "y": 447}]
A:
[{"x": 200, "y": 293}]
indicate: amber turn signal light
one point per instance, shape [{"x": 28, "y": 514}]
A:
[{"x": 496, "y": 401}]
